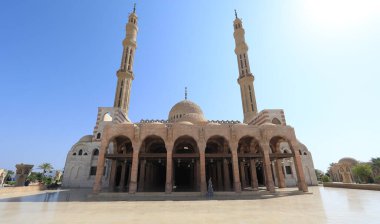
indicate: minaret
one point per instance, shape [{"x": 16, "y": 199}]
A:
[
  {"x": 125, "y": 73},
  {"x": 246, "y": 78}
]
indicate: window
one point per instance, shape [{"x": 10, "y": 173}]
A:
[
  {"x": 300, "y": 152},
  {"x": 276, "y": 121},
  {"x": 288, "y": 170},
  {"x": 85, "y": 154},
  {"x": 96, "y": 152},
  {"x": 98, "y": 136},
  {"x": 305, "y": 154},
  {"x": 93, "y": 171},
  {"x": 80, "y": 152},
  {"x": 74, "y": 154}
]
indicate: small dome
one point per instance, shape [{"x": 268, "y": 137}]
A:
[
  {"x": 86, "y": 138},
  {"x": 213, "y": 124},
  {"x": 186, "y": 111},
  {"x": 349, "y": 160},
  {"x": 185, "y": 123}
]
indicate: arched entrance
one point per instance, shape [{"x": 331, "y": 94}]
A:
[
  {"x": 250, "y": 163},
  {"x": 121, "y": 163},
  {"x": 282, "y": 161},
  {"x": 152, "y": 169},
  {"x": 218, "y": 163},
  {"x": 186, "y": 167}
]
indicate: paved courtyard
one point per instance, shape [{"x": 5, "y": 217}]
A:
[{"x": 324, "y": 205}]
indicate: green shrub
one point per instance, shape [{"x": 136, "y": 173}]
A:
[
  {"x": 325, "y": 178},
  {"x": 377, "y": 179},
  {"x": 10, "y": 182}
]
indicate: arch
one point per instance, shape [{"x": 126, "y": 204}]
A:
[
  {"x": 152, "y": 169},
  {"x": 95, "y": 152},
  {"x": 107, "y": 117},
  {"x": 186, "y": 165},
  {"x": 98, "y": 135},
  {"x": 80, "y": 152},
  {"x": 74, "y": 154},
  {"x": 251, "y": 168},
  {"x": 85, "y": 154},
  {"x": 185, "y": 144},
  {"x": 276, "y": 121},
  {"x": 217, "y": 144},
  {"x": 305, "y": 154},
  {"x": 121, "y": 160},
  {"x": 153, "y": 144},
  {"x": 275, "y": 143},
  {"x": 218, "y": 164},
  {"x": 249, "y": 144}
]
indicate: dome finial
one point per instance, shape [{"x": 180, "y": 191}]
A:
[
  {"x": 235, "y": 14},
  {"x": 134, "y": 8},
  {"x": 185, "y": 93}
]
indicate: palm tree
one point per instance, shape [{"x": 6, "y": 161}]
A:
[{"x": 46, "y": 167}]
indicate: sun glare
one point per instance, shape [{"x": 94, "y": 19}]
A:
[{"x": 341, "y": 14}]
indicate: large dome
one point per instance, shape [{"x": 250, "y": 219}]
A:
[
  {"x": 186, "y": 111},
  {"x": 348, "y": 160}
]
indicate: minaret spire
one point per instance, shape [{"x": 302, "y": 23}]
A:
[
  {"x": 245, "y": 78},
  {"x": 134, "y": 8},
  {"x": 125, "y": 74},
  {"x": 185, "y": 93}
]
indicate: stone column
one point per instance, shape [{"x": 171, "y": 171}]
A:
[
  {"x": 235, "y": 168},
  {"x": 267, "y": 167},
  {"x": 197, "y": 171},
  {"x": 122, "y": 179},
  {"x": 280, "y": 174},
  {"x": 203, "y": 168},
  {"x": 242, "y": 173},
  {"x": 134, "y": 169},
  {"x": 254, "y": 182},
  {"x": 226, "y": 173},
  {"x": 142, "y": 175},
  {"x": 100, "y": 167},
  {"x": 169, "y": 169},
  {"x": 302, "y": 186},
  {"x": 113, "y": 174},
  {"x": 220, "y": 178}
]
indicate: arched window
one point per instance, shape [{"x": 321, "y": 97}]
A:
[
  {"x": 96, "y": 152},
  {"x": 98, "y": 136},
  {"x": 74, "y": 154},
  {"x": 80, "y": 152},
  {"x": 276, "y": 121},
  {"x": 85, "y": 154},
  {"x": 305, "y": 154},
  {"x": 300, "y": 152},
  {"x": 107, "y": 116}
]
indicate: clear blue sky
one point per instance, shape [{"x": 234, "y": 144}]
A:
[{"x": 317, "y": 60}]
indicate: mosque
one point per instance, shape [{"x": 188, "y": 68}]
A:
[{"x": 187, "y": 151}]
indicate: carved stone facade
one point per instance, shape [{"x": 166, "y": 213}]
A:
[{"x": 182, "y": 152}]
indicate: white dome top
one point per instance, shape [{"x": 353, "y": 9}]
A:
[
  {"x": 186, "y": 110},
  {"x": 86, "y": 138},
  {"x": 348, "y": 160}
]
